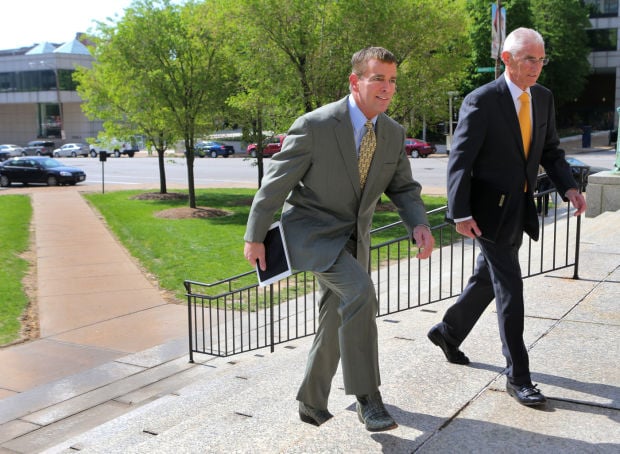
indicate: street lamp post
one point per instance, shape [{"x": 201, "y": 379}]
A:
[
  {"x": 451, "y": 94},
  {"x": 617, "y": 163}
]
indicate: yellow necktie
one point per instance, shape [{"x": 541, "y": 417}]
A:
[
  {"x": 367, "y": 151},
  {"x": 525, "y": 122}
]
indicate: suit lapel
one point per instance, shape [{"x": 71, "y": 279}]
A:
[
  {"x": 507, "y": 107},
  {"x": 343, "y": 130}
]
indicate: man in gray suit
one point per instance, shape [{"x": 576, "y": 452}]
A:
[
  {"x": 326, "y": 221},
  {"x": 498, "y": 146}
]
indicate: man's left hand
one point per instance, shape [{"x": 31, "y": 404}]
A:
[
  {"x": 577, "y": 199},
  {"x": 424, "y": 239}
]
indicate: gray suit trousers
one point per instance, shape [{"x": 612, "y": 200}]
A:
[{"x": 347, "y": 331}]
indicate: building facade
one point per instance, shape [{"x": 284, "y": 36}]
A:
[
  {"x": 38, "y": 97},
  {"x": 597, "y": 104}
]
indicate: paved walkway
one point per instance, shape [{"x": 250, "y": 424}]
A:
[
  {"x": 110, "y": 372},
  {"x": 95, "y": 304}
]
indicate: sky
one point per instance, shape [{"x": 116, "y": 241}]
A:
[{"x": 27, "y": 22}]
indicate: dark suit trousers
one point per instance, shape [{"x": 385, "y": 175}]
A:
[
  {"x": 347, "y": 332},
  {"x": 497, "y": 275}
]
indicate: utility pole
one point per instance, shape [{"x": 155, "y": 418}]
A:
[{"x": 501, "y": 26}]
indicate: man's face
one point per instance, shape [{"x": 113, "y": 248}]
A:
[
  {"x": 374, "y": 89},
  {"x": 525, "y": 67}
]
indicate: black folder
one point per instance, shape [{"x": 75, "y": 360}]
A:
[{"x": 276, "y": 256}]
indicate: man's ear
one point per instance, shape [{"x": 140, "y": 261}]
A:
[
  {"x": 353, "y": 80},
  {"x": 505, "y": 55}
]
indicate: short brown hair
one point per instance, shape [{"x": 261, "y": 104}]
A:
[{"x": 363, "y": 56}]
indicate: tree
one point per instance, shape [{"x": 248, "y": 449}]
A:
[
  {"x": 563, "y": 24},
  {"x": 112, "y": 93},
  {"x": 309, "y": 43},
  {"x": 164, "y": 56}
]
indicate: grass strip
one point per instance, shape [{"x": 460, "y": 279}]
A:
[{"x": 15, "y": 233}]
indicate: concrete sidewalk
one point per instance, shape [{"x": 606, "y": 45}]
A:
[
  {"x": 95, "y": 303},
  {"x": 93, "y": 393}
]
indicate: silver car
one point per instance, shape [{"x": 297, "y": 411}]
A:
[
  {"x": 71, "y": 150},
  {"x": 12, "y": 150}
]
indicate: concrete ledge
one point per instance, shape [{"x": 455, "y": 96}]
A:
[{"x": 603, "y": 193}]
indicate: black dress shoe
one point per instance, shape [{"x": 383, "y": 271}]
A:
[
  {"x": 528, "y": 394},
  {"x": 372, "y": 413},
  {"x": 453, "y": 354},
  {"x": 313, "y": 415}
]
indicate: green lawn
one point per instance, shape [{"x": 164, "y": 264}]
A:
[
  {"x": 15, "y": 216},
  {"x": 206, "y": 249},
  {"x": 173, "y": 250}
]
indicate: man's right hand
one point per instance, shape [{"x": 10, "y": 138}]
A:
[
  {"x": 253, "y": 252},
  {"x": 469, "y": 228}
]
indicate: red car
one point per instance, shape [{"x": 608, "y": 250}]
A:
[
  {"x": 417, "y": 148},
  {"x": 271, "y": 147}
]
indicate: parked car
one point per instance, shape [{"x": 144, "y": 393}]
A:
[
  {"x": 270, "y": 147},
  {"x": 12, "y": 150},
  {"x": 71, "y": 150},
  {"x": 114, "y": 148},
  {"x": 213, "y": 149},
  {"x": 417, "y": 148},
  {"x": 38, "y": 169},
  {"x": 4, "y": 155},
  {"x": 40, "y": 148}
]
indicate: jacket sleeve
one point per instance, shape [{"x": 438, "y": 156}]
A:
[{"x": 286, "y": 169}]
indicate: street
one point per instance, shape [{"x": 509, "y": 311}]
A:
[{"x": 142, "y": 171}]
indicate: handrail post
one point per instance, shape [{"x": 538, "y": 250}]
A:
[
  {"x": 577, "y": 242},
  {"x": 271, "y": 321},
  {"x": 188, "y": 289}
]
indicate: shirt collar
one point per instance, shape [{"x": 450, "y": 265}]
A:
[
  {"x": 358, "y": 119},
  {"x": 515, "y": 91}
]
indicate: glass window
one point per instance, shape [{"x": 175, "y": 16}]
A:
[
  {"x": 602, "y": 8},
  {"x": 605, "y": 39}
]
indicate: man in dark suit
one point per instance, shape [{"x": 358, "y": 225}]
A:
[
  {"x": 328, "y": 207},
  {"x": 490, "y": 149}
]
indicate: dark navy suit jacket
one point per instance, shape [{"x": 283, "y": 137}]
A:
[{"x": 487, "y": 145}]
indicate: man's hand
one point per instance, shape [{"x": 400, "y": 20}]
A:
[
  {"x": 577, "y": 199},
  {"x": 424, "y": 239},
  {"x": 469, "y": 228},
  {"x": 253, "y": 252}
]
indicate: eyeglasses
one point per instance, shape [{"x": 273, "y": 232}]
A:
[{"x": 536, "y": 61}]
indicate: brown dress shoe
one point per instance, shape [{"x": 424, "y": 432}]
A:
[
  {"x": 372, "y": 413},
  {"x": 313, "y": 415}
]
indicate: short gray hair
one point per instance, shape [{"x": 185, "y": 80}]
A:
[{"x": 519, "y": 38}]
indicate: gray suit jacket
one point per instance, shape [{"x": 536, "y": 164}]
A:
[
  {"x": 487, "y": 145},
  {"x": 315, "y": 179}
]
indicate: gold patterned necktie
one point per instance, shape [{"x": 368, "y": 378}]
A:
[
  {"x": 525, "y": 122},
  {"x": 367, "y": 151}
]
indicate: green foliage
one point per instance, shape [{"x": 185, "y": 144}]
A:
[
  {"x": 15, "y": 233},
  {"x": 307, "y": 46},
  {"x": 562, "y": 23}
]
